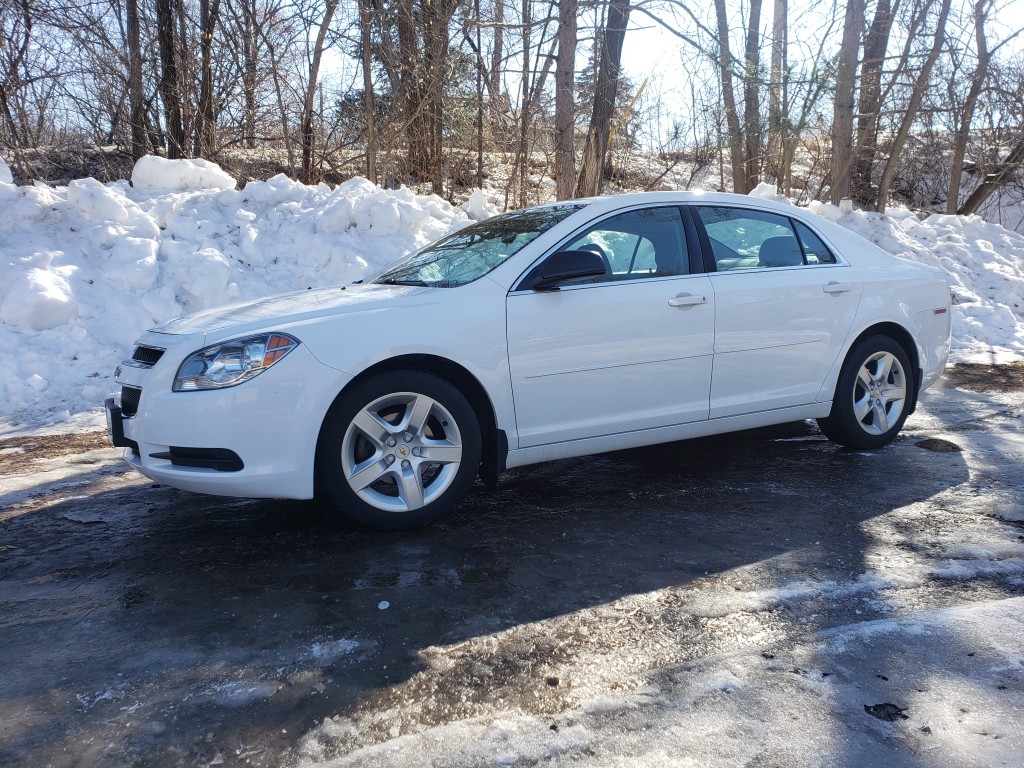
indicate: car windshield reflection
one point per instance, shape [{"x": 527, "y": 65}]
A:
[{"x": 471, "y": 253}]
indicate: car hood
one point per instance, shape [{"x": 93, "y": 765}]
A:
[{"x": 287, "y": 308}]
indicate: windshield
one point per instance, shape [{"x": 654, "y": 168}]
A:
[{"x": 472, "y": 252}]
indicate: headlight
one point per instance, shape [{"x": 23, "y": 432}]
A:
[{"x": 232, "y": 362}]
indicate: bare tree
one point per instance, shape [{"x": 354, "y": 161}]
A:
[
  {"x": 605, "y": 88},
  {"x": 979, "y": 77},
  {"x": 777, "y": 92},
  {"x": 734, "y": 133},
  {"x": 308, "y": 134},
  {"x": 876, "y": 42},
  {"x": 910, "y": 113},
  {"x": 751, "y": 99},
  {"x": 136, "y": 97},
  {"x": 565, "y": 124},
  {"x": 993, "y": 181},
  {"x": 17, "y": 31},
  {"x": 205, "y": 140},
  {"x": 170, "y": 81},
  {"x": 369, "y": 102},
  {"x": 842, "y": 119}
]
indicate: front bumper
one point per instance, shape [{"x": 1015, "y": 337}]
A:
[
  {"x": 115, "y": 426},
  {"x": 256, "y": 440}
]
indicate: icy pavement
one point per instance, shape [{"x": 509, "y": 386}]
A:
[
  {"x": 955, "y": 673},
  {"x": 763, "y": 599}
]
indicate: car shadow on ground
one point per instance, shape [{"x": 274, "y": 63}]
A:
[{"x": 170, "y": 615}]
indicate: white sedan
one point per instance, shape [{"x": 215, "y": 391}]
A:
[{"x": 558, "y": 331}]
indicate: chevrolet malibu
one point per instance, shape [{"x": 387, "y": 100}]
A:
[{"x": 546, "y": 333}]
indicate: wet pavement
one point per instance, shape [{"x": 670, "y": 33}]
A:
[{"x": 141, "y": 625}]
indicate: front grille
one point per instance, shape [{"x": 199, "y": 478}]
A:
[
  {"x": 130, "y": 397},
  {"x": 147, "y": 356}
]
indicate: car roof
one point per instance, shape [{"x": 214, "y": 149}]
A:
[{"x": 611, "y": 202}]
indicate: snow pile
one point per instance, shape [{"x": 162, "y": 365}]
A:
[
  {"x": 6, "y": 177},
  {"x": 86, "y": 268},
  {"x": 152, "y": 172}
]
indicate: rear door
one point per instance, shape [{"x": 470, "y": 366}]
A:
[{"x": 784, "y": 306}]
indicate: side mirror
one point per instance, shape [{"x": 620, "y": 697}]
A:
[{"x": 567, "y": 265}]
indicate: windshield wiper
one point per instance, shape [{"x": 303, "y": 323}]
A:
[{"x": 393, "y": 281}]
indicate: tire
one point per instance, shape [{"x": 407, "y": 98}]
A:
[
  {"x": 399, "y": 450},
  {"x": 873, "y": 395}
]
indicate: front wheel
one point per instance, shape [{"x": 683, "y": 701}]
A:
[
  {"x": 399, "y": 450},
  {"x": 872, "y": 397}
]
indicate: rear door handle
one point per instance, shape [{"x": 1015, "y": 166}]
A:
[
  {"x": 687, "y": 300},
  {"x": 835, "y": 288}
]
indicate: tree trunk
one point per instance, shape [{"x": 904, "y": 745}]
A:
[
  {"x": 524, "y": 111},
  {"x": 308, "y": 133},
  {"x": 876, "y": 42},
  {"x": 751, "y": 96},
  {"x": 170, "y": 82},
  {"x": 734, "y": 133},
  {"x": 369, "y": 105},
  {"x": 842, "y": 120},
  {"x": 916, "y": 96},
  {"x": 977, "y": 81},
  {"x": 497, "y": 60},
  {"x": 205, "y": 140},
  {"x": 249, "y": 71},
  {"x": 605, "y": 88},
  {"x": 479, "y": 100},
  {"x": 775, "y": 161},
  {"x": 994, "y": 180},
  {"x": 136, "y": 99},
  {"x": 435, "y": 43},
  {"x": 565, "y": 124},
  {"x": 410, "y": 93}
]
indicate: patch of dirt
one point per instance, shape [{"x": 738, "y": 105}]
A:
[
  {"x": 16, "y": 452},
  {"x": 987, "y": 378}
]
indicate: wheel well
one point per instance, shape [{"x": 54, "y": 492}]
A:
[
  {"x": 901, "y": 336},
  {"x": 495, "y": 443}
]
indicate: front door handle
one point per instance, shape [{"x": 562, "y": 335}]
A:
[
  {"x": 687, "y": 300},
  {"x": 837, "y": 288}
]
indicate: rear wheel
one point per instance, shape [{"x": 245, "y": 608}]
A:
[
  {"x": 873, "y": 395},
  {"x": 399, "y": 450}
]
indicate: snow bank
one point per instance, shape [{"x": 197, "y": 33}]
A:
[
  {"x": 152, "y": 172},
  {"x": 86, "y": 268},
  {"x": 6, "y": 177}
]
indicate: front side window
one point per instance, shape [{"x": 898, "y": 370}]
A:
[
  {"x": 649, "y": 242},
  {"x": 471, "y": 253}
]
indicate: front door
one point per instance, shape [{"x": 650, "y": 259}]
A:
[{"x": 626, "y": 351}]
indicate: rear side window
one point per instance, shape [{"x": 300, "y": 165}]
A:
[
  {"x": 815, "y": 250},
  {"x": 747, "y": 239}
]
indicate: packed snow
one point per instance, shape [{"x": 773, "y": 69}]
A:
[
  {"x": 86, "y": 268},
  {"x": 946, "y": 669}
]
